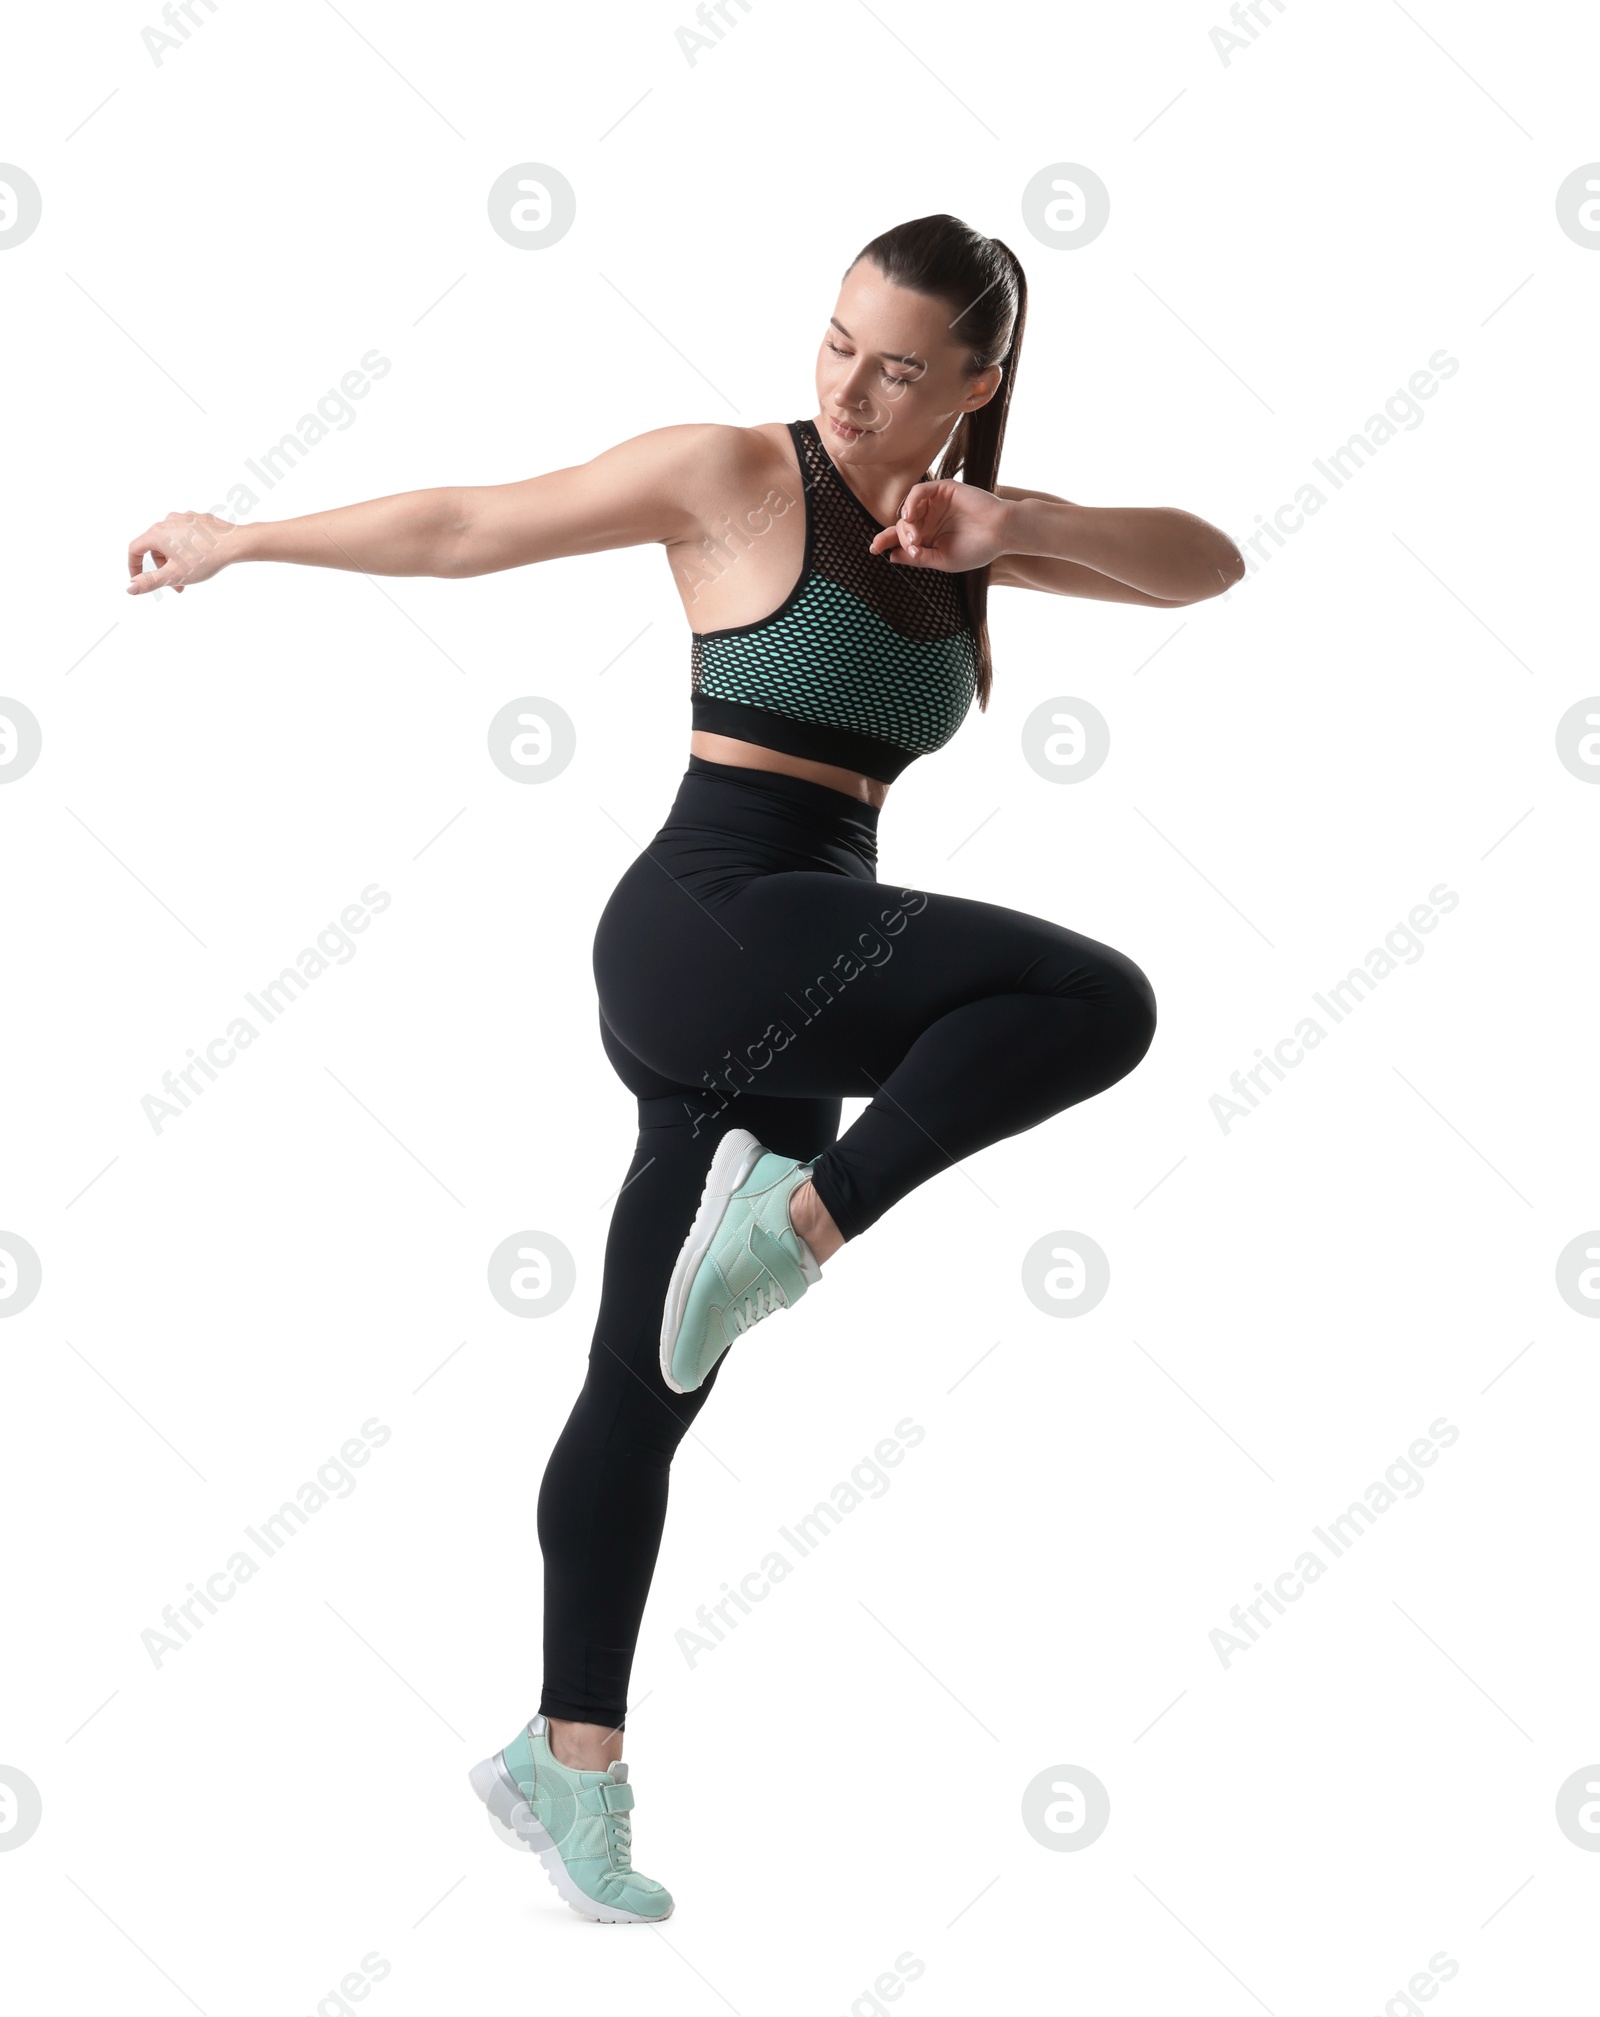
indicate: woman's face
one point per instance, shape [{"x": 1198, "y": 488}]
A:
[{"x": 891, "y": 372}]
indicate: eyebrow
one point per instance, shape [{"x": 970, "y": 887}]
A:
[{"x": 893, "y": 356}]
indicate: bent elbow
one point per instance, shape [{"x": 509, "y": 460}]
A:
[{"x": 1228, "y": 570}]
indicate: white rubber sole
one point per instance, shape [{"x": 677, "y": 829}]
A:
[
  {"x": 501, "y": 1794},
  {"x": 737, "y": 1155}
]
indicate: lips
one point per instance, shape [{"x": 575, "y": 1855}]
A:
[{"x": 849, "y": 433}]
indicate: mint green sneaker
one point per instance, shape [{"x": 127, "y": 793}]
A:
[
  {"x": 578, "y": 1825},
  {"x": 741, "y": 1261}
]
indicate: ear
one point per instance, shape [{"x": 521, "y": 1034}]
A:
[{"x": 989, "y": 381}]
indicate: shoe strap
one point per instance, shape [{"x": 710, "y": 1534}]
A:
[
  {"x": 778, "y": 1262},
  {"x": 606, "y": 1798}
]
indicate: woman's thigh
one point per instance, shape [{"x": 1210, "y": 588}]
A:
[{"x": 799, "y": 981}]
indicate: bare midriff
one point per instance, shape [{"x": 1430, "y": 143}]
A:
[{"x": 754, "y": 756}]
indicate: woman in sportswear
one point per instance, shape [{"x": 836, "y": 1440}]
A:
[{"x": 752, "y": 971}]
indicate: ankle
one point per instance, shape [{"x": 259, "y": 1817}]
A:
[
  {"x": 813, "y": 1221},
  {"x": 583, "y": 1747}
]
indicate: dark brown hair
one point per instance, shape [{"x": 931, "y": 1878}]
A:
[{"x": 982, "y": 281}]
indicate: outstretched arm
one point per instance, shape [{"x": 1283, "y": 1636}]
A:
[{"x": 630, "y": 495}]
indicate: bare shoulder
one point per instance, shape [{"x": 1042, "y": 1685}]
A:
[
  {"x": 667, "y": 485},
  {"x": 690, "y": 449},
  {"x": 725, "y": 472},
  {"x": 716, "y": 469}
]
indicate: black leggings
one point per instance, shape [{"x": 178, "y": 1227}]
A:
[{"x": 752, "y": 972}]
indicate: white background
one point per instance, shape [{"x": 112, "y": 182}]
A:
[{"x": 1372, "y": 712}]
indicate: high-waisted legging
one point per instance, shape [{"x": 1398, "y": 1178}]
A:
[{"x": 752, "y": 973}]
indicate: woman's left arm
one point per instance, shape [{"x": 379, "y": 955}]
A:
[
  {"x": 1030, "y": 539},
  {"x": 1162, "y": 554}
]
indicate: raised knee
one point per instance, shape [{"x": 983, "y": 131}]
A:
[{"x": 1135, "y": 1006}]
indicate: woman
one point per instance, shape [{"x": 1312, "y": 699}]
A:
[{"x": 751, "y": 970}]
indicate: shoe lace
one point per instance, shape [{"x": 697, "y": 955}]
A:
[
  {"x": 760, "y": 1301},
  {"x": 620, "y": 1828}
]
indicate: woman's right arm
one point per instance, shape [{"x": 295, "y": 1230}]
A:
[{"x": 643, "y": 490}]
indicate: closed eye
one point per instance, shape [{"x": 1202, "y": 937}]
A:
[{"x": 888, "y": 377}]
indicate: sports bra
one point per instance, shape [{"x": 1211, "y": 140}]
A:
[{"x": 864, "y": 664}]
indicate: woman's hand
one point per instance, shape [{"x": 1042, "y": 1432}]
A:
[
  {"x": 947, "y": 525},
  {"x": 187, "y": 546}
]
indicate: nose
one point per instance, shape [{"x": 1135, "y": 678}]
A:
[{"x": 856, "y": 397}]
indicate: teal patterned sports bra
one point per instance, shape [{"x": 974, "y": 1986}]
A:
[{"x": 864, "y": 664}]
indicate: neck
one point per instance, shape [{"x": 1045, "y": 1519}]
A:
[{"x": 879, "y": 477}]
